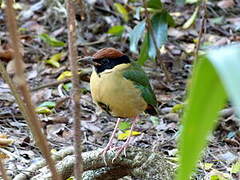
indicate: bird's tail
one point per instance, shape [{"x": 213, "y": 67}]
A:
[{"x": 152, "y": 110}]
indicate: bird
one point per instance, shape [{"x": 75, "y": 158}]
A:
[{"x": 120, "y": 87}]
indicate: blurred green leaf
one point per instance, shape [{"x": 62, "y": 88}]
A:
[
  {"x": 178, "y": 108},
  {"x": 236, "y": 167},
  {"x": 170, "y": 19},
  {"x": 144, "y": 50},
  {"x": 192, "y": 19},
  {"x": 116, "y": 30},
  {"x": 67, "y": 86},
  {"x": 138, "y": 13},
  {"x": 160, "y": 26},
  {"x": 126, "y": 134},
  {"x": 180, "y": 2},
  {"x": 191, "y": 1},
  {"x": 199, "y": 117},
  {"x": 216, "y": 175},
  {"x": 64, "y": 75},
  {"x": 49, "y": 104},
  {"x": 154, "y": 4},
  {"x": 215, "y": 75},
  {"x": 121, "y": 9},
  {"x": 217, "y": 20},
  {"x": 155, "y": 120},
  {"x": 51, "y": 40},
  {"x": 54, "y": 60},
  {"x": 43, "y": 110},
  {"x": 135, "y": 35},
  {"x": 227, "y": 64},
  {"x": 123, "y": 125}
]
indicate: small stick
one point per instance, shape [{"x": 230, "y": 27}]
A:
[
  {"x": 75, "y": 95},
  {"x": 21, "y": 83},
  {"x": 202, "y": 28}
]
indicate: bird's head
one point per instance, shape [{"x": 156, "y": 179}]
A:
[{"x": 108, "y": 58}]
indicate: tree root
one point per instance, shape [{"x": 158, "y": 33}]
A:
[{"x": 138, "y": 163}]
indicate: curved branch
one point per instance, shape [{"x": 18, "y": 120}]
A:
[{"x": 139, "y": 163}]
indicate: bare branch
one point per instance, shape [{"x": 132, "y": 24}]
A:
[
  {"x": 75, "y": 90},
  {"x": 21, "y": 83},
  {"x": 138, "y": 163}
]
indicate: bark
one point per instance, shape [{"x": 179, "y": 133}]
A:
[{"x": 138, "y": 163}]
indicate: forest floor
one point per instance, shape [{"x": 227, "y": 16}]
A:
[{"x": 155, "y": 133}]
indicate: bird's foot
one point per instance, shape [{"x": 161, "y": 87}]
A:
[
  {"x": 104, "y": 151},
  {"x": 120, "y": 150},
  {"x": 110, "y": 144}
]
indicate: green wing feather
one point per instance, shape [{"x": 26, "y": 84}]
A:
[{"x": 136, "y": 74}]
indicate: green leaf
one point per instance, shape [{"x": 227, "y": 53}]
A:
[
  {"x": 43, "y": 110},
  {"x": 138, "y": 13},
  {"x": 192, "y": 19},
  {"x": 64, "y": 75},
  {"x": 236, "y": 167},
  {"x": 51, "y": 40},
  {"x": 180, "y": 2},
  {"x": 178, "y": 108},
  {"x": 199, "y": 117},
  {"x": 49, "y": 104},
  {"x": 227, "y": 64},
  {"x": 217, "y": 20},
  {"x": 215, "y": 76},
  {"x": 191, "y": 1},
  {"x": 123, "y": 125},
  {"x": 155, "y": 120},
  {"x": 144, "y": 50},
  {"x": 116, "y": 30},
  {"x": 160, "y": 26},
  {"x": 170, "y": 19},
  {"x": 67, "y": 86},
  {"x": 54, "y": 60},
  {"x": 154, "y": 4},
  {"x": 126, "y": 134},
  {"x": 121, "y": 9},
  {"x": 135, "y": 36}
]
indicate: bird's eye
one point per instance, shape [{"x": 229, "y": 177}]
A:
[{"x": 105, "y": 61}]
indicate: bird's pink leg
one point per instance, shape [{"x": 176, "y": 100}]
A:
[
  {"x": 109, "y": 145},
  {"x": 125, "y": 145}
]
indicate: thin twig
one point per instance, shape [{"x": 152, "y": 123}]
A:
[
  {"x": 3, "y": 171},
  {"x": 21, "y": 83},
  {"x": 82, "y": 9},
  {"x": 150, "y": 30},
  {"x": 72, "y": 48},
  {"x": 83, "y": 76},
  {"x": 55, "y": 83},
  {"x": 202, "y": 28}
]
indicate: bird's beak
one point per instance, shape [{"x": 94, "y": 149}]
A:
[{"x": 88, "y": 60}]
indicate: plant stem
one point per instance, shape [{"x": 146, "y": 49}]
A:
[
  {"x": 150, "y": 30},
  {"x": 26, "y": 104},
  {"x": 76, "y": 89}
]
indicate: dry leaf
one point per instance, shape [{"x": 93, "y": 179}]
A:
[
  {"x": 4, "y": 141},
  {"x": 11, "y": 67},
  {"x": 126, "y": 134},
  {"x": 224, "y": 4}
]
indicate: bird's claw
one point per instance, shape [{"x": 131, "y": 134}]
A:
[
  {"x": 121, "y": 149},
  {"x": 103, "y": 153}
]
